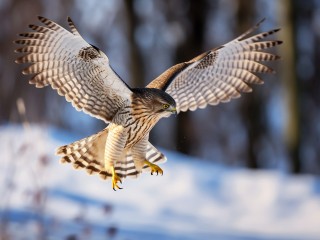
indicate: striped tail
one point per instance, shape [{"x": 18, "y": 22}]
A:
[
  {"x": 128, "y": 168},
  {"x": 88, "y": 154}
]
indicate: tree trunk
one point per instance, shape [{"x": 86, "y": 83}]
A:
[
  {"x": 289, "y": 76},
  {"x": 192, "y": 47},
  {"x": 251, "y": 105},
  {"x": 136, "y": 63}
]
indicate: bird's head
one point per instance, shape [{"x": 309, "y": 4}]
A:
[{"x": 155, "y": 101}]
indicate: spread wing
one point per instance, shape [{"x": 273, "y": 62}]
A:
[
  {"x": 220, "y": 74},
  {"x": 77, "y": 70}
]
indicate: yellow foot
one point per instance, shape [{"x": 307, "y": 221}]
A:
[
  {"x": 154, "y": 168},
  {"x": 115, "y": 180}
]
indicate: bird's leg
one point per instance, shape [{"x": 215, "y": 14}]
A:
[
  {"x": 115, "y": 179},
  {"x": 154, "y": 168},
  {"x": 114, "y": 151}
]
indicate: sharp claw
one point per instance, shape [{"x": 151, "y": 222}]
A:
[
  {"x": 115, "y": 180},
  {"x": 154, "y": 168},
  {"x": 116, "y": 187}
]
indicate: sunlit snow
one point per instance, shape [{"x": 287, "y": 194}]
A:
[{"x": 194, "y": 199}]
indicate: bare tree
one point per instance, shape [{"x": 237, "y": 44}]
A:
[
  {"x": 136, "y": 64},
  {"x": 289, "y": 76},
  {"x": 191, "y": 47},
  {"x": 251, "y": 110}
]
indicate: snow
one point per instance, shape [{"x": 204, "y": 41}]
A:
[{"x": 194, "y": 199}]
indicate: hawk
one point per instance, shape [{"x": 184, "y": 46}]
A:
[{"x": 81, "y": 72}]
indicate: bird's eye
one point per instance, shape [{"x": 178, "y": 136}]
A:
[{"x": 165, "y": 106}]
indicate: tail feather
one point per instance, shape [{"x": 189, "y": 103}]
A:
[
  {"x": 127, "y": 168},
  {"x": 88, "y": 154}
]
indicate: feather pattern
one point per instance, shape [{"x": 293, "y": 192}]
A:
[
  {"x": 81, "y": 73},
  {"x": 76, "y": 69},
  {"x": 220, "y": 74},
  {"x": 88, "y": 154}
]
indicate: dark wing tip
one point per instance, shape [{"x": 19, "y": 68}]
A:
[
  {"x": 32, "y": 26},
  {"x": 277, "y": 57},
  {"x": 261, "y": 21},
  {"x": 276, "y": 30},
  {"x": 41, "y": 18},
  {"x": 72, "y": 26},
  {"x": 250, "y": 30}
]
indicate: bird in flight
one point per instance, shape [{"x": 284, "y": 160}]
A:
[{"x": 82, "y": 74}]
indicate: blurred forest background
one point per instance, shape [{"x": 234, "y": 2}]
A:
[{"x": 275, "y": 126}]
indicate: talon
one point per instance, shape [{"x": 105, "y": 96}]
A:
[
  {"x": 115, "y": 180},
  {"x": 154, "y": 168},
  {"x": 117, "y": 187}
]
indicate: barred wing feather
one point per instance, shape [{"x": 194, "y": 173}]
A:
[
  {"x": 76, "y": 69},
  {"x": 220, "y": 74}
]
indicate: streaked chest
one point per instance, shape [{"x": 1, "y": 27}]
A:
[
  {"x": 138, "y": 127},
  {"x": 137, "y": 123}
]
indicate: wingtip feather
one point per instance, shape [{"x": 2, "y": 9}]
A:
[
  {"x": 72, "y": 26},
  {"x": 41, "y": 18},
  {"x": 261, "y": 21},
  {"x": 19, "y": 59},
  {"x": 276, "y": 30},
  {"x": 25, "y": 72}
]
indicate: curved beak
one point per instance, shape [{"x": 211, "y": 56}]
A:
[{"x": 173, "y": 110}]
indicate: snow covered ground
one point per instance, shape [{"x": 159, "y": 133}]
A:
[{"x": 194, "y": 199}]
